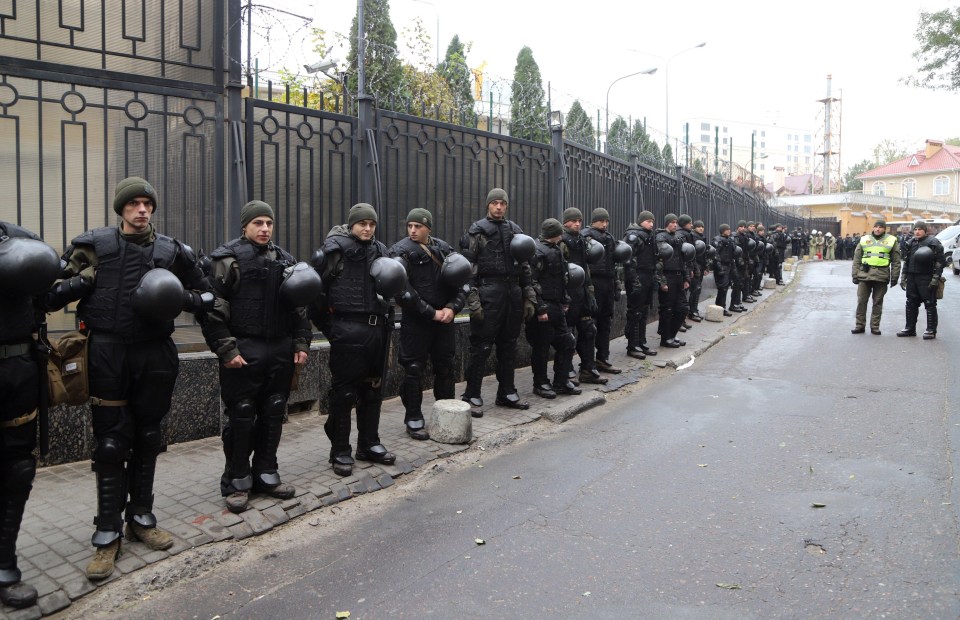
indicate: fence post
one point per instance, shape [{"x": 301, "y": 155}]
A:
[
  {"x": 558, "y": 171},
  {"x": 635, "y": 189},
  {"x": 367, "y": 152},
  {"x": 681, "y": 195}
]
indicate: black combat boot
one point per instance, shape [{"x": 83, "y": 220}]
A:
[
  {"x": 931, "y": 332},
  {"x": 910, "y": 329}
]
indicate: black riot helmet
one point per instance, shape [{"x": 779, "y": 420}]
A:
[
  {"x": 301, "y": 285},
  {"x": 595, "y": 251},
  {"x": 922, "y": 258},
  {"x": 700, "y": 246},
  {"x": 738, "y": 251},
  {"x": 522, "y": 248},
  {"x": 389, "y": 277},
  {"x": 751, "y": 246},
  {"x": 666, "y": 251},
  {"x": 622, "y": 252},
  {"x": 159, "y": 296},
  {"x": 27, "y": 266},
  {"x": 711, "y": 252},
  {"x": 455, "y": 271},
  {"x": 689, "y": 251},
  {"x": 576, "y": 276},
  {"x": 769, "y": 249}
]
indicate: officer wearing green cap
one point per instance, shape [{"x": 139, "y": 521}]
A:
[
  {"x": 606, "y": 286},
  {"x": 923, "y": 262},
  {"x": 356, "y": 317},
  {"x": 583, "y": 302},
  {"x": 132, "y": 361},
  {"x": 685, "y": 231},
  {"x": 674, "y": 280},
  {"x": 259, "y": 337},
  {"x": 426, "y": 328},
  {"x": 501, "y": 298},
  {"x": 641, "y": 283}
]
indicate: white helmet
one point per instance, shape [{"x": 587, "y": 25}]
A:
[
  {"x": 829, "y": 234},
  {"x": 813, "y": 232}
]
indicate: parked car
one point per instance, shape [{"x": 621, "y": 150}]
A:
[{"x": 950, "y": 238}]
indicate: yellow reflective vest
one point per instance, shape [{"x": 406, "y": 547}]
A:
[{"x": 876, "y": 252}]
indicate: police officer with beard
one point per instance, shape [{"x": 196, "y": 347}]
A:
[
  {"x": 354, "y": 313},
  {"x": 922, "y": 271},
  {"x": 673, "y": 279},
  {"x": 429, "y": 306},
  {"x": 502, "y": 297},
  {"x": 583, "y": 303},
  {"x": 724, "y": 265},
  {"x": 27, "y": 268},
  {"x": 640, "y": 274},
  {"x": 128, "y": 299},
  {"x": 549, "y": 325},
  {"x": 258, "y": 337},
  {"x": 606, "y": 291}
]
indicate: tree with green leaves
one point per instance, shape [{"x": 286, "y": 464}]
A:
[
  {"x": 938, "y": 34},
  {"x": 528, "y": 113},
  {"x": 666, "y": 157},
  {"x": 888, "y": 151},
  {"x": 454, "y": 70},
  {"x": 383, "y": 71},
  {"x": 578, "y": 127},
  {"x": 850, "y": 181}
]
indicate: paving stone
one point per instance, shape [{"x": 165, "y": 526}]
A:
[
  {"x": 80, "y": 556},
  {"x": 62, "y": 572},
  {"x": 53, "y": 602},
  {"x": 341, "y": 491},
  {"x": 129, "y": 562},
  {"x": 275, "y": 515},
  {"x": 183, "y": 530},
  {"x": 75, "y": 588},
  {"x": 46, "y": 560},
  {"x": 262, "y": 502},
  {"x": 240, "y": 530},
  {"x": 204, "y": 539},
  {"x": 256, "y": 521},
  {"x": 30, "y": 613},
  {"x": 214, "y": 530},
  {"x": 330, "y": 500},
  {"x": 385, "y": 480},
  {"x": 155, "y": 556},
  {"x": 43, "y": 584},
  {"x": 227, "y": 518},
  {"x": 179, "y": 546},
  {"x": 287, "y": 504},
  {"x": 357, "y": 488},
  {"x": 296, "y": 511}
]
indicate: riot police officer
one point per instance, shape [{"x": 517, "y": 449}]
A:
[
  {"x": 606, "y": 288},
  {"x": 780, "y": 240},
  {"x": 355, "y": 314},
  {"x": 741, "y": 274},
  {"x": 673, "y": 280},
  {"x": 433, "y": 298},
  {"x": 27, "y": 268},
  {"x": 548, "y": 327},
  {"x": 501, "y": 299},
  {"x": 724, "y": 265},
  {"x": 133, "y": 361},
  {"x": 693, "y": 267},
  {"x": 640, "y": 279},
  {"x": 258, "y": 333},
  {"x": 579, "y": 250},
  {"x": 922, "y": 271},
  {"x": 796, "y": 243}
]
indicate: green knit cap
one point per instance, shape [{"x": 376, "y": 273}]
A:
[
  {"x": 497, "y": 194},
  {"x": 130, "y": 188},
  {"x": 644, "y": 216},
  {"x": 669, "y": 217},
  {"x": 253, "y": 210},
  {"x": 359, "y": 212},
  {"x": 600, "y": 215},
  {"x": 684, "y": 219},
  {"x": 572, "y": 213},
  {"x": 420, "y": 216},
  {"x": 551, "y": 228},
  {"x": 724, "y": 227}
]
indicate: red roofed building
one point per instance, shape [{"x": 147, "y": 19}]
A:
[{"x": 930, "y": 174}]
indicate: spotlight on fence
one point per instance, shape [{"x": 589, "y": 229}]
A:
[
  {"x": 556, "y": 119},
  {"x": 322, "y": 66}
]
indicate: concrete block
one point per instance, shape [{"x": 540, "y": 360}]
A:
[
  {"x": 449, "y": 422},
  {"x": 714, "y": 313},
  {"x": 769, "y": 283},
  {"x": 788, "y": 266}
]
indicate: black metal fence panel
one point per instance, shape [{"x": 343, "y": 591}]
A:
[{"x": 596, "y": 180}]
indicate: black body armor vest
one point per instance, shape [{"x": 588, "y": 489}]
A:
[
  {"x": 17, "y": 318},
  {"x": 352, "y": 290}
]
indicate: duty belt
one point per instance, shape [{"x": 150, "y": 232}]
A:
[
  {"x": 13, "y": 350},
  {"x": 369, "y": 319},
  {"x": 498, "y": 280},
  {"x": 29, "y": 417}
]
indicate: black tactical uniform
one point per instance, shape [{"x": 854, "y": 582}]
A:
[
  {"x": 796, "y": 243},
  {"x": 357, "y": 322},
  {"x": 251, "y": 319},
  {"x": 501, "y": 286},
  {"x": 549, "y": 325},
  {"x": 740, "y": 290},
  {"x": 603, "y": 275},
  {"x": 20, "y": 387},
  {"x": 133, "y": 363},
  {"x": 672, "y": 273},
  {"x": 583, "y": 303},
  {"x": 693, "y": 268},
  {"x": 923, "y": 262},
  {"x": 422, "y": 337},
  {"x": 641, "y": 283},
  {"x": 724, "y": 266},
  {"x": 780, "y": 240}
]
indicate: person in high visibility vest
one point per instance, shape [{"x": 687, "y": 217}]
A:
[{"x": 876, "y": 265}]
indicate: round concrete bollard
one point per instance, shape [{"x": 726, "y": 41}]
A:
[
  {"x": 449, "y": 422},
  {"x": 769, "y": 283}
]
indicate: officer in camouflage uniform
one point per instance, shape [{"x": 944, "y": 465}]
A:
[
  {"x": 876, "y": 265},
  {"x": 501, "y": 299},
  {"x": 685, "y": 230},
  {"x": 356, "y": 317},
  {"x": 724, "y": 265},
  {"x": 258, "y": 337},
  {"x": 27, "y": 268},
  {"x": 426, "y": 329},
  {"x": 122, "y": 277}
]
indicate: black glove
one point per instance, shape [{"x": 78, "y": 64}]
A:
[
  {"x": 856, "y": 280},
  {"x": 198, "y": 302},
  {"x": 934, "y": 283},
  {"x": 592, "y": 308},
  {"x": 903, "y": 283}
]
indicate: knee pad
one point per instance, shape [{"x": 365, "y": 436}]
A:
[
  {"x": 242, "y": 413},
  {"x": 369, "y": 396},
  {"x": 414, "y": 369},
  {"x": 567, "y": 343},
  {"x": 19, "y": 476},
  {"x": 110, "y": 449},
  {"x": 347, "y": 398},
  {"x": 275, "y": 406},
  {"x": 484, "y": 349},
  {"x": 148, "y": 441},
  {"x": 587, "y": 328}
]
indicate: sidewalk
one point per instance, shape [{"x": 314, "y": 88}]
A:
[{"x": 54, "y": 544}]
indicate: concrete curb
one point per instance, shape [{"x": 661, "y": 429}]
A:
[{"x": 570, "y": 407}]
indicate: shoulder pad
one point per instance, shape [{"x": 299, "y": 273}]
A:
[
  {"x": 227, "y": 249},
  {"x": 187, "y": 252},
  {"x": 515, "y": 227},
  {"x": 475, "y": 228},
  {"x": 84, "y": 238}
]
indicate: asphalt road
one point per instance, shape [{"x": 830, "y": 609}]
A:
[{"x": 795, "y": 470}]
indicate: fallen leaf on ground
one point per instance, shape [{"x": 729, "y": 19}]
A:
[
  {"x": 729, "y": 586},
  {"x": 701, "y": 464},
  {"x": 479, "y": 541},
  {"x": 818, "y": 505},
  {"x": 343, "y": 614},
  {"x": 516, "y": 477}
]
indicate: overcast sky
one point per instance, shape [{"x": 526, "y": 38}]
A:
[{"x": 764, "y": 62}]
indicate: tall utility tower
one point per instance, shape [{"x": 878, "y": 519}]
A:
[{"x": 829, "y": 166}]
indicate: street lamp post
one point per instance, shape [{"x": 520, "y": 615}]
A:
[
  {"x": 607, "y": 130},
  {"x": 666, "y": 78}
]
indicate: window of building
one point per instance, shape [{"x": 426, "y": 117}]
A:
[
  {"x": 909, "y": 188},
  {"x": 724, "y": 130},
  {"x": 704, "y": 126},
  {"x": 879, "y": 188},
  {"x": 806, "y": 149},
  {"x": 763, "y": 145},
  {"x": 704, "y": 137},
  {"x": 807, "y": 138},
  {"x": 724, "y": 141},
  {"x": 723, "y": 152},
  {"x": 941, "y": 186},
  {"x": 763, "y": 134}
]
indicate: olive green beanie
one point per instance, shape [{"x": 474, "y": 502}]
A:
[
  {"x": 644, "y": 216},
  {"x": 359, "y": 212},
  {"x": 130, "y": 188},
  {"x": 572, "y": 213},
  {"x": 420, "y": 216},
  {"x": 551, "y": 228},
  {"x": 497, "y": 194},
  {"x": 253, "y": 210},
  {"x": 600, "y": 215}
]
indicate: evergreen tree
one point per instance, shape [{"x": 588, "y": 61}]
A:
[
  {"x": 456, "y": 73},
  {"x": 383, "y": 72},
  {"x": 528, "y": 113},
  {"x": 667, "y": 158},
  {"x": 578, "y": 128},
  {"x": 618, "y": 139}
]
